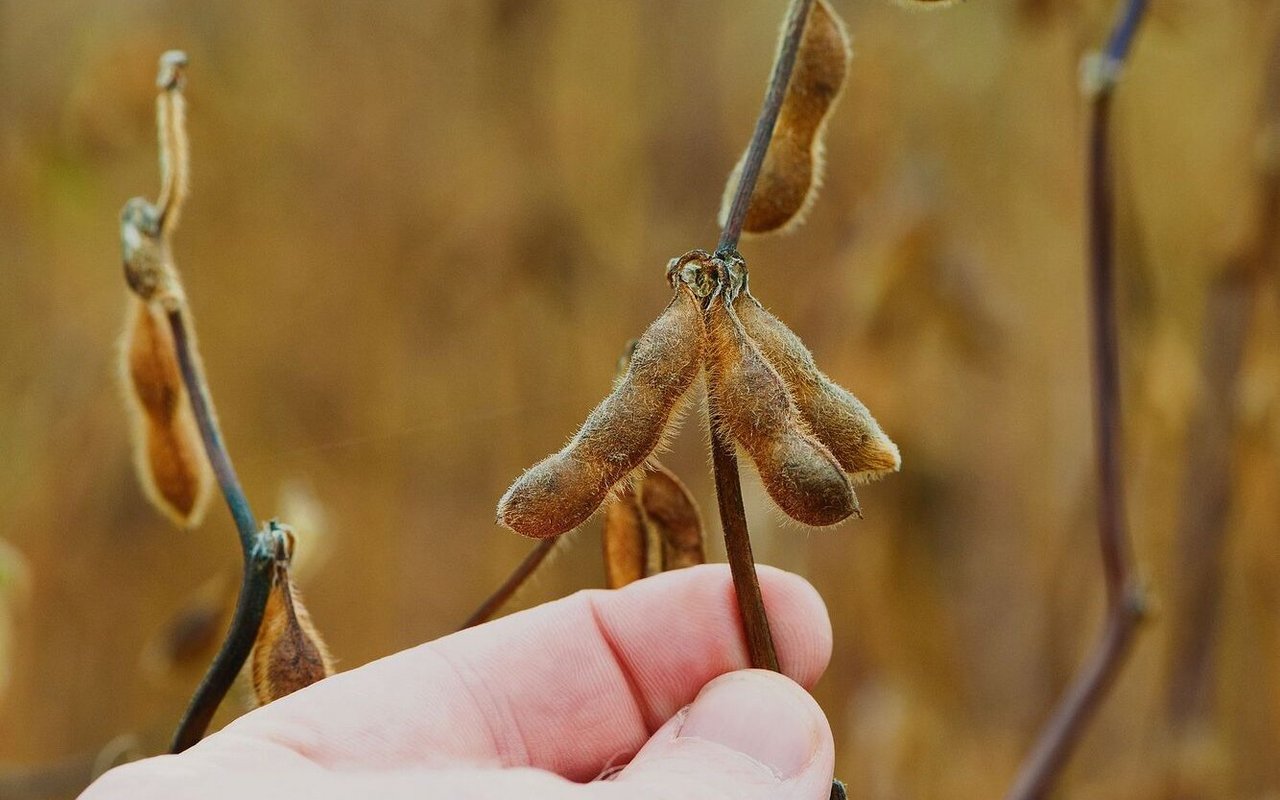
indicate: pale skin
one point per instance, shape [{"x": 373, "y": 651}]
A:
[{"x": 648, "y": 683}]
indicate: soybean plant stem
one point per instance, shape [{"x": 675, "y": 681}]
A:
[
  {"x": 737, "y": 543},
  {"x": 512, "y": 584},
  {"x": 1124, "y": 595},
  {"x": 256, "y": 547},
  {"x": 759, "y": 146},
  {"x": 733, "y": 518}
]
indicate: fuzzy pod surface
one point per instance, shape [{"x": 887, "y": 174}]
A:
[
  {"x": 168, "y": 453},
  {"x": 836, "y": 417},
  {"x": 289, "y": 654},
  {"x": 751, "y": 403},
  {"x": 792, "y": 170},
  {"x": 560, "y": 492}
]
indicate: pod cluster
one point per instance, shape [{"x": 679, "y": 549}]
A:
[{"x": 809, "y": 439}]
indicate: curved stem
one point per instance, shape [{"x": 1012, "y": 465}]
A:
[
  {"x": 210, "y": 433},
  {"x": 512, "y": 584},
  {"x": 256, "y": 547},
  {"x": 1124, "y": 595},
  {"x": 251, "y": 604}
]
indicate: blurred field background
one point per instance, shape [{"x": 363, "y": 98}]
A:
[{"x": 420, "y": 234}]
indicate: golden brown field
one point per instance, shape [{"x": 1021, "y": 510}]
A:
[{"x": 421, "y": 233}]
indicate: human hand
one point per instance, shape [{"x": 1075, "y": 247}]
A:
[{"x": 536, "y": 703}]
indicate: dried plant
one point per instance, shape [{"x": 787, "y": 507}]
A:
[
  {"x": 810, "y": 440},
  {"x": 1206, "y": 496},
  {"x": 750, "y": 402},
  {"x": 1125, "y": 600},
  {"x": 673, "y": 520},
  {"x": 15, "y": 583},
  {"x": 625, "y": 540},
  {"x": 169, "y": 389},
  {"x": 560, "y": 492},
  {"x": 170, "y": 460}
]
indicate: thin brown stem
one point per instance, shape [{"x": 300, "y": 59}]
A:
[
  {"x": 1124, "y": 595},
  {"x": 737, "y": 543},
  {"x": 503, "y": 594},
  {"x": 760, "y": 138}
]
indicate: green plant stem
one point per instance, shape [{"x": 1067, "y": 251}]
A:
[
  {"x": 512, "y": 584},
  {"x": 257, "y": 547},
  {"x": 1125, "y": 602}
]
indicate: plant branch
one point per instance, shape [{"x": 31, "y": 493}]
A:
[
  {"x": 257, "y": 547},
  {"x": 147, "y": 241},
  {"x": 1123, "y": 593},
  {"x": 760, "y": 138},
  {"x": 737, "y": 544},
  {"x": 512, "y": 584}
]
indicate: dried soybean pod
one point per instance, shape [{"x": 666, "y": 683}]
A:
[
  {"x": 792, "y": 170},
  {"x": 750, "y": 402},
  {"x": 625, "y": 539},
  {"x": 168, "y": 453},
  {"x": 836, "y": 417},
  {"x": 560, "y": 492},
  {"x": 673, "y": 514},
  {"x": 289, "y": 654}
]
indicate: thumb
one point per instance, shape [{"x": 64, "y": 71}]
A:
[{"x": 749, "y": 734}]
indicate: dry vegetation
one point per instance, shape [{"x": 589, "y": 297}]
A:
[{"x": 420, "y": 234}]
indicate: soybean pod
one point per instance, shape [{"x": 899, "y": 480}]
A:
[{"x": 560, "y": 492}]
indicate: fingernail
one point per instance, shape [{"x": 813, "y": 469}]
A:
[{"x": 760, "y": 714}]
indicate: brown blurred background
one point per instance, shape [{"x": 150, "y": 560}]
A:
[{"x": 420, "y": 234}]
